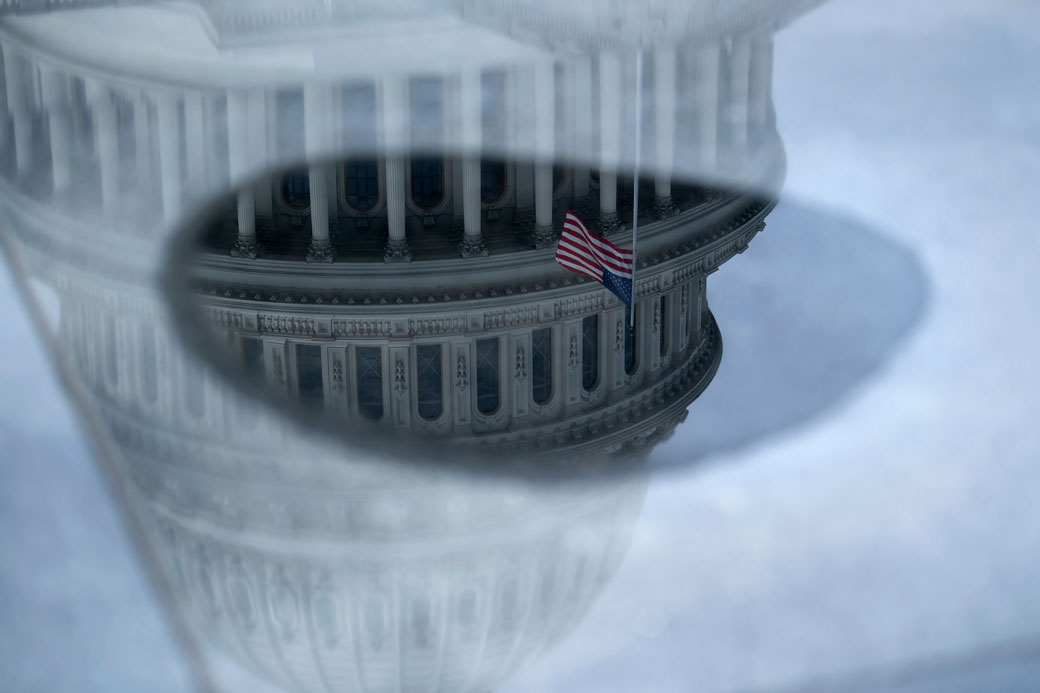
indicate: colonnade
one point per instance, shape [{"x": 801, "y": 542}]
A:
[{"x": 187, "y": 141}]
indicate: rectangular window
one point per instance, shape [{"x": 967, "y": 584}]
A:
[
  {"x": 487, "y": 375},
  {"x": 590, "y": 351},
  {"x": 308, "y": 374},
  {"x": 370, "y": 382},
  {"x": 663, "y": 308},
  {"x": 253, "y": 357},
  {"x": 631, "y": 362},
  {"x": 428, "y": 369},
  {"x": 541, "y": 365}
]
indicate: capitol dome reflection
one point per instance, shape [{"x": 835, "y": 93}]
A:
[{"x": 289, "y": 277}]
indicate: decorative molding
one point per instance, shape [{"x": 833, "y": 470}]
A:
[
  {"x": 521, "y": 366},
  {"x": 543, "y": 237},
  {"x": 461, "y": 374},
  {"x": 397, "y": 250},
  {"x": 337, "y": 376},
  {"x": 400, "y": 379}
]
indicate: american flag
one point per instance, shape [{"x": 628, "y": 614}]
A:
[{"x": 581, "y": 251}]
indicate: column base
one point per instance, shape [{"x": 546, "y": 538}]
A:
[
  {"x": 664, "y": 207},
  {"x": 321, "y": 251},
  {"x": 543, "y": 237},
  {"x": 248, "y": 248},
  {"x": 397, "y": 250},
  {"x": 523, "y": 221},
  {"x": 609, "y": 224},
  {"x": 473, "y": 246}
]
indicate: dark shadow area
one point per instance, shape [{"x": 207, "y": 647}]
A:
[{"x": 817, "y": 304}]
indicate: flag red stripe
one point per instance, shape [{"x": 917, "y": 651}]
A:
[
  {"x": 578, "y": 260},
  {"x": 614, "y": 259},
  {"x": 600, "y": 244},
  {"x": 580, "y": 269},
  {"x": 569, "y": 245},
  {"x": 623, "y": 269},
  {"x": 603, "y": 244}
]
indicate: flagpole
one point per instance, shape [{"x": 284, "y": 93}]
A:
[{"x": 635, "y": 177}]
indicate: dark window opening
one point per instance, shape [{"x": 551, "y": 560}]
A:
[
  {"x": 308, "y": 373},
  {"x": 370, "y": 382},
  {"x": 541, "y": 365},
  {"x": 428, "y": 368},
  {"x": 590, "y": 351},
  {"x": 361, "y": 180},
  {"x": 487, "y": 376}
]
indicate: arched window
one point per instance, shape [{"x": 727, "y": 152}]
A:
[
  {"x": 557, "y": 178},
  {"x": 361, "y": 179},
  {"x": 428, "y": 371},
  {"x": 296, "y": 190},
  {"x": 663, "y": 307},
  {"x": 308, "y": 373},
  {"x": 487, "y": 375},
  {"x": 370, "y": 382},
  {"x": 492, "y": 180},
  {"x": 149, "y": 363},
  {"x": 630, "y": 343},
  {"x": 589, "y": 351},
  {"x": 541, "y": 365},
  {"x": 427, "y": 181}
]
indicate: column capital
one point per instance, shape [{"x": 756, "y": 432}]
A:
[
  {"x": 473, "y": 246},
  {"x": 543, "y": 237},
  {"x": 397, "y": 250},
  {"x": 609, "y": 223},
  {"x": 320, "y": 250},
  {"x": 664, "y": 207},
  {"x": 249, "y": 248}
]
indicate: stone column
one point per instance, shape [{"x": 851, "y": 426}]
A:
[
  {"x": 256, "y": 104},
  {"x": 142, "y": 143},
  {"x": 195, "y": 142},
  {"x": 168, "y": 125},
  {"x": 18, "y": 106},
  {"x": 759, "y": 116},
  {"x": 739, "y": 76},
  {"x": 395, "y": 132},
  {"x": 106, "y": 138},
  {"x": 544, "y": 146},
  {"x": 708, "y": 104},
  {"x": 581, "y": 72},
  {"x": 316, "y": 132},
  {"x": 609, "y": 141},
  {"x": 472, "y": 244},
  {"x": 664, "y": 130},
  {"x": 55, "y": 100},
  {"x": 522, "y": 109},
  {"x": 320, "y": 249},
  {"x": 246, "y": 244}
]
